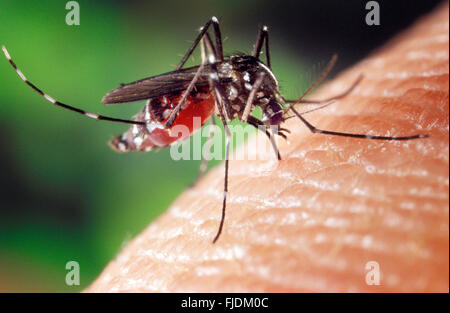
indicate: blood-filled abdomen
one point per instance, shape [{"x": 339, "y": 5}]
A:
[{"x": 197, "y": 108}]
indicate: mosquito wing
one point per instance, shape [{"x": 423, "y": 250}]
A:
[{"x": 157, "y": 86}]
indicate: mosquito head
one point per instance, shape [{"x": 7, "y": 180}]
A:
[{"x": 273, "y": 113}]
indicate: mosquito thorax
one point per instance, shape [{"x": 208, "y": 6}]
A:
[{"x": 240, "y": 73}]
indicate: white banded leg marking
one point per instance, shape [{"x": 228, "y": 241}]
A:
[
  {"x": 21, "y": 75},
  {"x": 60, "y": 104},
  {"x": 6, "y": 53},
  {"x": 91, "y": 115},
  {"x": 49, "y": 98}
]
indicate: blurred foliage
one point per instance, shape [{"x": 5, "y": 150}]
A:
[{"x": 65, "y": 195}]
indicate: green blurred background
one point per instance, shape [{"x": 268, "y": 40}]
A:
[{"x": 64, "y": 194}]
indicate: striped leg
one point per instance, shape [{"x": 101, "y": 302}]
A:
[{"x": 60, "y": 104}]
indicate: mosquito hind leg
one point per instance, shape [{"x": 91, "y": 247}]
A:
[{"x": 63, "y": 105}]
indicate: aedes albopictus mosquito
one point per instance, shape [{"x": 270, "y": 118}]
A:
[{"x": 229, "y": 87}]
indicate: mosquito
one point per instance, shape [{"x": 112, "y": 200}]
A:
[{"x": 227, "y": 87}]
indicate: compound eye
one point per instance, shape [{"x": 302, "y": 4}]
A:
[
  {"x": 276, "y": 119},
  {"x": 273, "y": 113}
]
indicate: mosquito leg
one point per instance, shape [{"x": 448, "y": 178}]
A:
[
  {"x": 267, "y": 48},
  {"x": 221, "y": 109},
  {"x": 307, "y": 111},
  {"x": 220, "y": 93},
  {"x": 218, "y": 36},
  {"x": 209, "y": 45},
  {"x": 260, "y": 126},
  {"x": 259, "y": 42},
  {"x": 203, "y": 51},
  {"x": 173, "y": 115},
  {"x": 263, "y": 36},
  {"x": 281, "y": 134},
  {"x": 206, "y": 158},
  {"x": 225, "y": 187},
  {"x": 60, "y": 104},
  {"x": 315, "y": 130},
  {"x": 203, "y": 30},
  {"x": 251, "y": 98},
  {"x": 204, "y": 39}
]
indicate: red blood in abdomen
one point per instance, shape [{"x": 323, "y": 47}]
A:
[
  {"x": 199, "y": 106},
  {"x": 192, "y": 117}
]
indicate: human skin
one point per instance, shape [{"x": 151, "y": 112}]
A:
[{"x": 312, "y": 221}]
